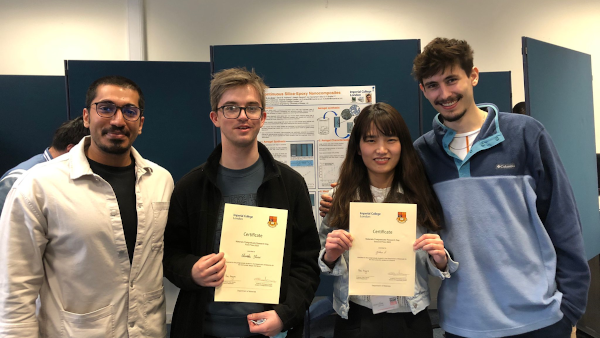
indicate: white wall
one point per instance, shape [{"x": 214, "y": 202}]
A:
[
  {"x": 493, "y": 28},
  {"x": 37, "y": 35}
]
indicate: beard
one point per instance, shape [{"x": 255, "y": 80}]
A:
[
  {"x": 455, "y": 117},
  {"x": 115, "y": 147}
]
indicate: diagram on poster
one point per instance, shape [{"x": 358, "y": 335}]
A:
[{"x": 308, "y": 129}]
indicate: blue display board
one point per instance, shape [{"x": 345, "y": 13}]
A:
[
  {"x": 551, "y": 71},
  {"x": 492, "y": 87},
  {"x": 177, "y": 133},
  {"x": 32, "y": 107},
  {"x": 385, "y": 64}
]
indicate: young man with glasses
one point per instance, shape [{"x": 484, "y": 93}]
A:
[
  {"x": 85, "y": 232},
  {"x": 241, "y": 171}
]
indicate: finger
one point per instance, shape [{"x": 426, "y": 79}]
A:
[
  {"x": 344, "y": 236},
  {"x": 326, "y": 198},
  {"x": 211, "y": 281},
  {"x": 430, "y": 237},
  {"x": 440, "y": 255},
  {"x": 215, "y": 269},
  {"x": 428, "y": 242},
  {"x": 348, "y": 236},
  {"x": 204, "y": 258},
  {"x": 426, "y": 237},
  {"x": 337, "y": 244},
  {"x": 254, "y": 328},
  {"x": 256, "y": 315},
  {"x": 419, "y": 244},
  {"x": 429, "y": 247},
  {"x": 334, "y": 249},
  {"x": 341, "y": 240},
  {"x": 324, "y": 208},
  {"x": 211, "y": 259},
  {"x": 344, "y": 242},
  {"x": 325, "y": 204}
]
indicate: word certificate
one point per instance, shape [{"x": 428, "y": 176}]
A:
[
  {"x": 253, "y": 239},
  {"x": 382, "y": 260}
]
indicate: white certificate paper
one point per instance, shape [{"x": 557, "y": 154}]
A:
[
  {"x": 382, "y": 260},
  {"x": 253, "y": 239}
]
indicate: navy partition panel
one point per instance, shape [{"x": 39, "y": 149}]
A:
[
  {"x": 385, "y": 64},
  {"x": 32, "y": 107},
  {"x": 550, "y": 71},
  {"x": 177, "y": 132},
  {"x": 493, "y": 87}
]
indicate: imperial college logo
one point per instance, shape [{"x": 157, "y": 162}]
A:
[
  {"x": 272, "y": 221},
  {"x": 401, "y": 217}
]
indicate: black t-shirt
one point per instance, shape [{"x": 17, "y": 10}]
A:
[{"x": 122, "y": 181}]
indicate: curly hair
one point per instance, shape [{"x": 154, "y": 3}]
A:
[{"x": 440, "y": 54}]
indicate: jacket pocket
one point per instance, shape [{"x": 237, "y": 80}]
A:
[
  {"x": 160, "y": 211},
  {"x": 154, "y": 314},
  {"x": 96, "y": 324}
]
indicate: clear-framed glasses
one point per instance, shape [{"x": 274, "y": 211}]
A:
[
  {"x": 233, "y": 112},
  {"x": 109, "y": 109}
]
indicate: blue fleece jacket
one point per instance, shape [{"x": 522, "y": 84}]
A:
[{"x": 512, "y": 223}]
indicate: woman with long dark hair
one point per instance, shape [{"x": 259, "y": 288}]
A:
[{"x": 382, "y": 166}]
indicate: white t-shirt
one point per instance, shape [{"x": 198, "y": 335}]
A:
[{"x": 461, "y": 144}]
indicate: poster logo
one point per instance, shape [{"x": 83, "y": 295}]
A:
[
  {"x": 401, "y": 217},
  {"x": 272, "y": 221}
]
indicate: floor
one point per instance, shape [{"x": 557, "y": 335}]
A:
[{"x": 324, "y": 328}]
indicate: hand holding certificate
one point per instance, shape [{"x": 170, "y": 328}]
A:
[
  {"x": 382, "y": 260},
  {"x": 253, "y": 240}
]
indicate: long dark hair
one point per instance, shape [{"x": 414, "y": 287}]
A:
[{"x": 409, "y": 173}]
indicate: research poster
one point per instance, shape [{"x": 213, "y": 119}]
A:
[{"x": 308, "y": 129}]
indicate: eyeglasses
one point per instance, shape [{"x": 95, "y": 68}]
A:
[
  {"x": 109, "y": 109},
  {"x": 233, "y": 112}
]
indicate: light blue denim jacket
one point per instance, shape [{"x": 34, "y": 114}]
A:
[{"x": 424, "y": 266}]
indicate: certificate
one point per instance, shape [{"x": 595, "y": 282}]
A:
[
  {"x": 253, "y": 240},
  {"x": 382, "y": 260}
]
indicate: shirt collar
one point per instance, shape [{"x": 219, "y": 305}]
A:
[{"x": 79, "y": 165}]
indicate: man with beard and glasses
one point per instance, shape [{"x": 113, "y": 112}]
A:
[
  {"x": 509, "y": 210},
  {"x": 240, "y": 170},
  {"x": 85, "y": 231}
]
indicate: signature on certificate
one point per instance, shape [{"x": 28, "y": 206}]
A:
[
  {"x": 266, "y": 280},
  {"x": 230, "y": 279},
  {"x": 397, "y": 276},
  {"x": 396, "y": 273},
  {"x": 248, "y": 255}
]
